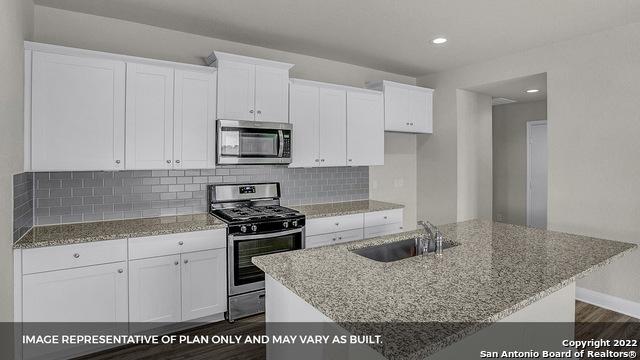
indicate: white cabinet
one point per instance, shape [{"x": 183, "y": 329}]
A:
[
  {"x": 365, "y": 128},
  {"x": 407, "y": 108},
  {"x": 194, "y": 119},
  {"x": 334, "y": 238},
  {"x": 149, "y": 117},
  {"x": 203, "y": 283},
  {"x": 76, "y": 118},
  {"x": 251, "y": 89},
  {"x": 154, "y": 289},
  {"x": 318, "y": 115},
  {"x": 170, "y": 124},
  {"x": 96, "y": 293}
]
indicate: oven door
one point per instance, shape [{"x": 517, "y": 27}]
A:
[
  {"x": 243, "y": 275},
  {"x": 250, "y": 142}
]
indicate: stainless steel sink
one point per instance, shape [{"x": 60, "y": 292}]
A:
[{"x": 397, "y": 250}]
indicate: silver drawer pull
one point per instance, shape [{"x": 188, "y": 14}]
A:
[
  {"x": 186, "y": 261},
  {"x": 339, "y": 237},
  {"x": 120, "y": 271},
  {"x": 385, "y": 217},
  {"x": 76, "y": 255},
  {"x": 176, "y": 263},
  {"x": 337, "y": 224},
  {"x": 180, "y": 242},
  {"x": 334, "y": 239}
]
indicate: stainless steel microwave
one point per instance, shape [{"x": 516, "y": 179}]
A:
[{"x": 253, "y": 142}]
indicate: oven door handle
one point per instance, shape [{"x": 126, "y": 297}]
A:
[
  {"x": 263, "y": 236},
  {"x": 281, "y": 141}
]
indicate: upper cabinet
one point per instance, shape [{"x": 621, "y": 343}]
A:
[
  {"x": 407, "y": 108},
  {"x": 251, "y": 89},
  {"x": 74, "y": 112},
  {"x": 318, "y": 114},
  {"x": 335, "y": 125},
  {"x": 365, "y": 128}
]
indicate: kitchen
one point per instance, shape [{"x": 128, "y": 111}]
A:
[{"x": 364, "y": 143}]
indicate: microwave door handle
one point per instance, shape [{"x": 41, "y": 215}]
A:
[{"x": 281, "y": 143}]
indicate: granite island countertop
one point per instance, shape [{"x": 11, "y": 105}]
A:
[
  {"x": 66, "y": 234},
  {"x": 496, "y": 270},
  {"x": 344, "y": 208}
]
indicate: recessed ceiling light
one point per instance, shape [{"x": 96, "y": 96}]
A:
[
  {"x": 439, "y": 41},
  {"x": 531, "y": 91}
]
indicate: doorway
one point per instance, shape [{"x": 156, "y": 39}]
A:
[{"x": 537, "y": 173}]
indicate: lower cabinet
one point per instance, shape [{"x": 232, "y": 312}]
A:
[
  {"x": 177, "y": 287},
  {"x": 95, "y": 293},
  {"x": 334, "y": 238}
]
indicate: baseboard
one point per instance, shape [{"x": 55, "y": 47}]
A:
[{"x": 610, "y": 302}]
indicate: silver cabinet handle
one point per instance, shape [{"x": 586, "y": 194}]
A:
[
  {"x": 321, "y": 160},
  {"x": 120, "y": 271},
  {"x": 259, "y": 111},
  {"x": 117, "y": 161},
  {"x": 186, "y": 261},
  {"x": 334, "y": 239},
  {"x": 76, "y": 255},
  {"x": 180, "y": 242},
  {"x": 176, "y": 263},
  {"x": 407, "y": 123},
  {"x": 339, "y": 237},
  {"x": 337, "y": 224},
  {"x": 168, "y": 161},
  {"x": 177, "y": 161},
  {"x": 317, "y": 160},
  {"x": 350, "y": 160},
  {"x": 251, "y": 111},
  {"x": 385, "y": 218}
]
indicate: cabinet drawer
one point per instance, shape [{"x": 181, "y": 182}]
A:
[
  {"x": 382, "y": 230},
  {"x": 161, "y": 245},
  {"x": 71, "y": 256},
  {"x": 334, "y": 238},
  {"x": 383, "y": 217},
  {"x": 334, "y": 224}
]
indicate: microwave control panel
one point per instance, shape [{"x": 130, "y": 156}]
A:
[{"x": 286, "y": 152}]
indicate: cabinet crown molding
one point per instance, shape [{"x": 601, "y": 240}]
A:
[
  {"x": 216, "y": 56},
  {"x": 380, "y": 84},
  {"x": 332, "y": 86}
]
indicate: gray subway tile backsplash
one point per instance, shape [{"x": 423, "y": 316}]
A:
[
  {"x": 22, "y": 204},
  {"x": 67, "y": 197}
]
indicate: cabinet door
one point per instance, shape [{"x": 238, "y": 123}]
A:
[
  {"x": 420, "y": 111},
  {"x": 89, "y": 294},
  {"x": 333, "y": 127},
  {"x": 365, "y": 129},
  {"x": 194, "y": 120},
  {"x": 304, "y": 113},
  {"x": 149, "y": 117},
  {"x": 396, "y": 108},
  {"x": 204, "y": 285},
  {"x": 77, "y": 113},
  {"x": 272, "y": 94},
  {"x": 154, "y": 289},
  {"x": 236, "y": 90}
]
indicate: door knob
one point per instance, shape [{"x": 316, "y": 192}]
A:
[
  {"x": 176, "y": 263},
  {"x": 117, "y": 161},
  {"x": 250, "y": 111},
  {"x": 168, "y": 161},
  {"x": 259, "y": 111},
  {"x": 186, "y": 261},
  {"x": 76, "y": 255},
  {"x": 120, "y": 271},
  {"x": 177, "y": 161},
  {"x": 180, "y": 242}
]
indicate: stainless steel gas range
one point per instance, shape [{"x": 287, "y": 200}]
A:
[{"x": 256, "y": 225}]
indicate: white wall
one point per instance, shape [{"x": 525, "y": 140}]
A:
[
  {"x": 474, "y": 156},
  {"x": 510, "y": 158},
  {"x": 593, "y": 108},
  {"x": 85, "y": 31}
]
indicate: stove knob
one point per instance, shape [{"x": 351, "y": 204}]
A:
[
  {"x": 243, "y": 228},
  {"x": 294, "y": 223},
  {"x": 254, "y": 228},
  {"x": 285, "y": 224}
]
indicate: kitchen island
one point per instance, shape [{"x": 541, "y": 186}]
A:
[{"x": 497, "y": 272}]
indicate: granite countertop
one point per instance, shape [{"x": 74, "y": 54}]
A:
[
  {"x": 344, "y": 208},
  {"x": 496, "y": 270},
  {"x": 40, "y": 236}
]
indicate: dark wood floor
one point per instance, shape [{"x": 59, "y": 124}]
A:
[{"x": 591, "y": 322}]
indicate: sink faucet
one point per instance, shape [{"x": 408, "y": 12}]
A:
[{"x": 433, "y": 235}]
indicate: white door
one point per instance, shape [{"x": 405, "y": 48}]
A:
[
  {"x": 87, "y": 294},
  {"x": 149, "y": 117},
  {"x": 154, "y": 289},
  {"x": 77, "y": 113},
  {"x": 236, "y": 90},
  {"x": 304, "y": 113},
  {"x": 333, "y": 127},
  {"x": 204, "y": 283},
  {"x": 537, "y": 174},
  {"x": 272, "y": 94},
  {"x": 194, "y": 120},
  {"x": 365, "y": 129},
  {"x": 396, "y": 108},
  {"x": 420, "y": 112}
]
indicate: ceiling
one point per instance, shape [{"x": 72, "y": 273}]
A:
[
  {"x": 390, "y": 35},
  {"x": 514, "y": 89}
]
